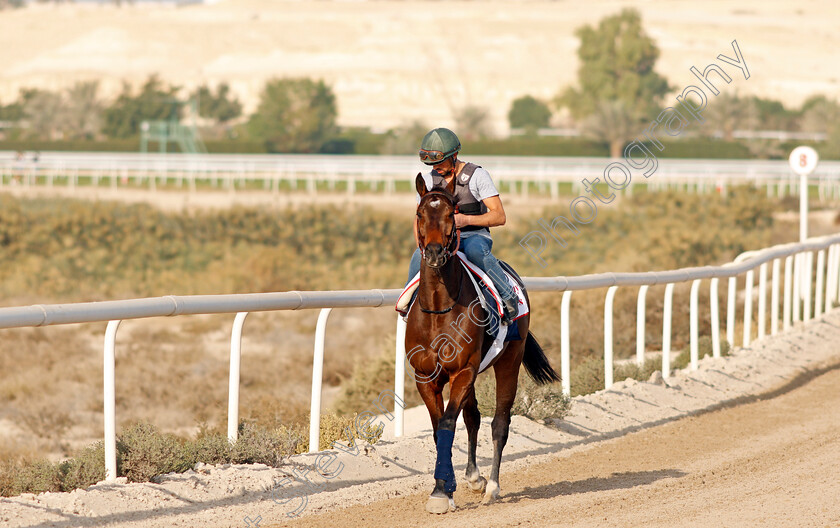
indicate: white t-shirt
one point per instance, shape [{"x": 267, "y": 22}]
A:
[{"x": 481, "y": 185}]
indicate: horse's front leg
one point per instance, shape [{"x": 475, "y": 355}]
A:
[{"x": 441, "y": 499}]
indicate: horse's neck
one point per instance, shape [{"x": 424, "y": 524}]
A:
[{"x": 438, "y": 291}]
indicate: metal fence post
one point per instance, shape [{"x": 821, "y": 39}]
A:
[
  {"x": 666, "y": 330},
  {"x": 640, "y": 325},
  {"x": 233, "y": 381},
  {"x": 797, "y": 283},
  {"x": 399, "y": 378},
  {"x": 693, "y": 323},
  {"x": 762, "y": 300},
  {"x": 715, "y": 316},
  {"x": 565, "y": 369},
  {"x": 830, "y": 277},
  {"x": 774, "y": 297},
  {"x": 748, "y": 308},
  {"x": 819, "y": 287},
  {"x": 608, "y": 337},
  {"x": 109, "y": 400},
  {"x": 730, "y": 312},
  {"x": 317, "y": 377},
  {"x": 837, "y": 276},
  {"x": 808, "y": 261}
]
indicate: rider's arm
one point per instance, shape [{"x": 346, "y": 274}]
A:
[{"x": 495, "y": 215}]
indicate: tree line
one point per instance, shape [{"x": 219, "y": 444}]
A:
[{"x": 294, "y": 115}]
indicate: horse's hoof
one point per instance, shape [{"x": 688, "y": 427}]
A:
[
  {"x": 478, "y": 485},
  {"x": 439, "y": 504},
  {"x": 491, "y": 494}
]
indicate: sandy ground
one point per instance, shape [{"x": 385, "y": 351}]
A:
[
  {"x": 390, "y": 62},
  {"x": 770, "y": 462},
  {"x": 623, "y": 457}
]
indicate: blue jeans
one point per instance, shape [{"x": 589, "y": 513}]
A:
[{"x": 477, "y": 249}]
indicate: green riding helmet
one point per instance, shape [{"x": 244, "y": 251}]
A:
[{"x": 438, "y": 145}]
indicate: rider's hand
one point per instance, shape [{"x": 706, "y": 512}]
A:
[{"x": 461, "y": 220}]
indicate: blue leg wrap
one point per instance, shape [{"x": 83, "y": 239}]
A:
[{"x": 443, "y": 468}]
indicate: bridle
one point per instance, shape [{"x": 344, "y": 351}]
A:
[{"x": 450, "y": 248}]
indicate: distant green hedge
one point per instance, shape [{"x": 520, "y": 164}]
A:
[
  {"x": 361, "y": 142},
  {"x": 702, "y": 148},
  {"x": 537, "y": 146},
  {"x": 111, "y": 145}
]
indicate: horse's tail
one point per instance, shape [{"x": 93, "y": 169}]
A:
[{"x": 536, "y": 363}]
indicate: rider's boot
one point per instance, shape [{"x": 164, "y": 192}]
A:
[{"x": 510, "y": 309}]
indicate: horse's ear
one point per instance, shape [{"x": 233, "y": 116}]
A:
[{"x": 420, "y": 184}]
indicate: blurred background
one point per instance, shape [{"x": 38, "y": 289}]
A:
[
  {"x": 154, "y": 148},
  {"x": 506, "y": 75}
]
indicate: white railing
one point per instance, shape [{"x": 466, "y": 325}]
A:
[
  {"x": 382, "y": 173},
  {"x": 796, "y": 255}
]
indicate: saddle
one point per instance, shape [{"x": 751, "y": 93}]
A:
[{"x": 490, "y": 300}]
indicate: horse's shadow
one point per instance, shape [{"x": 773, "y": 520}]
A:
[{"x": 616, "y": 481}]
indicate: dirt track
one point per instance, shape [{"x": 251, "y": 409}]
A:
[{"x": 771, "y": 462}]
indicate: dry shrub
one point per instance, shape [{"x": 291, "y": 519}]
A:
[
  {"x": 37, "y": 477},
  {"x": 145, "y": 452},
  {"x": 84, "y": 469},
  {"x": 344, "y": 428},
  {"x": 537, "y": 402},
  {"x": 704, "y": 348}
]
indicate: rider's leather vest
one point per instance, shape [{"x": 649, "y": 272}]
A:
[{"x": 464, "y": 199}]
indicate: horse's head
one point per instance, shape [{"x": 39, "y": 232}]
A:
[{"x": 436, "y": 230}]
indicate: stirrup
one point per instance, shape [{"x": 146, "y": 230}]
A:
[{"x": 510, "y": 309}]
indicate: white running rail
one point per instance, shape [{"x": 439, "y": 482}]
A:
[
  {"x": 272, "y": 172},
  {"x": 794, "y": 255}
]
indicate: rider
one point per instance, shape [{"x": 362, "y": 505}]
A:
[{"x": 479, "y": 208}]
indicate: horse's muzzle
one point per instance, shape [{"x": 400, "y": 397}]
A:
[{"x": 435, "y": 255}]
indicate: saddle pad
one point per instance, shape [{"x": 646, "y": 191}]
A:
[{"x": 492, "y": 304}]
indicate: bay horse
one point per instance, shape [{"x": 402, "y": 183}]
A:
[{"x": 447, "y": 342}]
